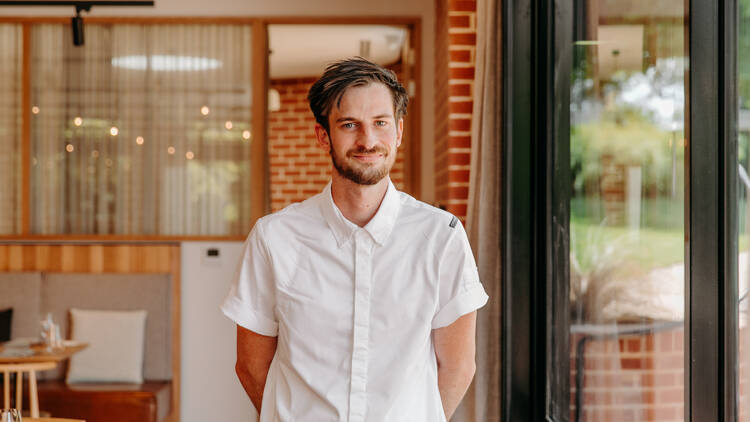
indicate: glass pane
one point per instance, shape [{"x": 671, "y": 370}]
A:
[
  {"x": 627, "y": 146},
  {"x": 743, "y": 200},
  {"x": 145, "y": 130},
  {"x": 11, "y": 59},
  {"x": 299, "y": 168}
]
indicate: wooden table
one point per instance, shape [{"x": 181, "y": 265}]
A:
[
  {"x": 52, "y": 420},
  {"x": 34, "y": 358},
  {"x": 41, "y": 354}
]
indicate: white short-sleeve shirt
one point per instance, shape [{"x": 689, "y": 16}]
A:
[{"x": 354, "y": 307}]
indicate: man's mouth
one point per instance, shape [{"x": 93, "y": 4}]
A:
[{"x": 367, "y": 158}]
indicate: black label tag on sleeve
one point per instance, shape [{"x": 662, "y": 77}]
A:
[{"x": 453, "y": 222}]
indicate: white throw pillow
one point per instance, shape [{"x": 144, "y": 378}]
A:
[{"x": 116, "y": 343}]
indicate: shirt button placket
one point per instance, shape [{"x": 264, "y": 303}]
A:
[{"x": 361, "y": 332}]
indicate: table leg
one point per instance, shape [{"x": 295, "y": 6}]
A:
[
  {"x": 19, "y": 391},
  {"x": 6, "y": 390},
  {"x": 33, "y": 398}
]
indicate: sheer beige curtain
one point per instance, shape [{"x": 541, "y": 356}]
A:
[
  {"x": 482, "y": 403},
  {"x": 11, "y": 50},
  {"x": 145, "y": 130}
]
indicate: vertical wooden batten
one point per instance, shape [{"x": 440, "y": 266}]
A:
[
  {"x": 260, "y": 203},
  {"x": 415, "y": 152},
  {"x": 175, "y": 269},
  {"x": 26, "y": 131}
]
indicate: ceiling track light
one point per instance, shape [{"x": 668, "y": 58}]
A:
[
  {"x": 76, "y": 24},
  {"x": 76, "y": 21}
]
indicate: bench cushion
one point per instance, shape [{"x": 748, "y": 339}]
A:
[
  {"x": 117, "y": 292},
  {"x": 147, "y": 402}
]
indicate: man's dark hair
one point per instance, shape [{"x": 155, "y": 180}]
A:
[{"x": 341, "y": 75}]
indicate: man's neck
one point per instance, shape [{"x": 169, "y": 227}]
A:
[{"x": 358, "y": 203}]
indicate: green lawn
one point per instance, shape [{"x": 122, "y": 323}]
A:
[{"x": 640, "y": 250}]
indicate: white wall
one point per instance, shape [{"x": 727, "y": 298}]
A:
[
  {"x": 422, "y": 8},
  {"x": 210, "y": 390}
]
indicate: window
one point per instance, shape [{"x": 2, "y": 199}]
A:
[
  {"x": 552, "y": 60},
  {"x": 11, "y": 48},
  {"x": 145, "y": 130}
]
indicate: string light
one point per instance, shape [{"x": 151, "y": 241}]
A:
[
  {"x": 205, "y": 110},
  {"x": 228, "y": 125},
  {"x": 189, "y": 155},
  {"x": 108, "y": 162},
  {"x": 246, "y": 134},
  {"x": 95, "y": 153},
  {"x": 78, "y": 121},
  {"x": 69, "y": 148},
  {"x": 170, "y": 150},
  {"x": 35, "y": 110},
  {"x": 114, "y": 131},
  {"x": 139, "y": 140}
]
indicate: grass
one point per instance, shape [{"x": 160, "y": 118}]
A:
[{"x": 641, "y": 250}]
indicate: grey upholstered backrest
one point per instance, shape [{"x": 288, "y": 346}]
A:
[
  {"x": 151, "y": 292},
  {"x": 22, "y": 292}
]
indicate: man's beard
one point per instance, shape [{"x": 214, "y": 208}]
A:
[{"x": 364, "y": 174}]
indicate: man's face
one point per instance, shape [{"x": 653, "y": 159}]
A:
[{"x": 364, "y": 134}]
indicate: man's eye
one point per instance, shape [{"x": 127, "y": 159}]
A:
[
  {"x": 380, "y": 123},
  {"x": 349, "y": 125}
]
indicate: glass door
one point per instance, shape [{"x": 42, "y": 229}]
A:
[
  {"x": 627, "y": 194},
  {"x": 624, "y": 216}
]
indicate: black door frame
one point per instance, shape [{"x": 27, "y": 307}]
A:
[{"x": 537, "y": 58}]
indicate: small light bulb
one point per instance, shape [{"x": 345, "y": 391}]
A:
[
  {"x": 205, "y": 110},
  {"x": 246, "y": 134},
  {"x": 139, "y": 140},
  {"x": 95, "y": 153},
  {"x": 78, "y": 121},
  {"x": 170, "y": 150},
  {"x": 114, "y": 131},
  {"x": 108, "y": 162},
  {"x": 35, "y": 110},
  {"x": 189, "y": 155},
  {"x": 69, "y": 147},
  {"x": 228, "y": 125}
]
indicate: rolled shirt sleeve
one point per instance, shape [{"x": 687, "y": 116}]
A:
[
  {"x": 460, "y": 291},
  {"x": 251, "y": 300}
]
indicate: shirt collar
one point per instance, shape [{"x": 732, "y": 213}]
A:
[{"x": 379, "y": 227}]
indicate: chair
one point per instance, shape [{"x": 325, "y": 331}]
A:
[{"x": 19, "y": 369}]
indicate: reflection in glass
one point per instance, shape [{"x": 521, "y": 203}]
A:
[
  {"x": 124, "y": 142},
  {"x": 743, "y": 200},
  {"x": 627, "y": 146},
  {"x": 11, "y": 50}
]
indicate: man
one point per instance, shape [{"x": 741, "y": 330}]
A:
[{"x": 359, "y": 303}]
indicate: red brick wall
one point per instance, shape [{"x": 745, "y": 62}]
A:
[
  {"x": 633, "y": 378},
  {"x": 455, "y": 51},
  {"x": 298, "y": 167}
]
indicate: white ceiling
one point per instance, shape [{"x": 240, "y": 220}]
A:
[{"x": 305, "y": 50}]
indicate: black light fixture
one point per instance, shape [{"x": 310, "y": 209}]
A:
[{"x": 77, "y": 21}]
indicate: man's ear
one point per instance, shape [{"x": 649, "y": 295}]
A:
[
  {"x": 399, "y": 131},
  {"x": 321, "y": 135}
]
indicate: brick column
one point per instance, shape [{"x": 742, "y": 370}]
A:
[{"x": 455, "y": 51}]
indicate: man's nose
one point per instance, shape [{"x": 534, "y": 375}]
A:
[{"x": 367, "y": 138}]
